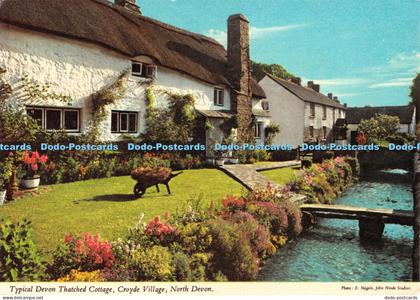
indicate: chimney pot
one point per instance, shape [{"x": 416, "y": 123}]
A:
[
  {"x": 316, "y": 88},
  {"x": 310, "y": 84},
  {"x": 130, "y": 5},
  {"x": 330, "y": 95},
  {"x": 297, "y": 80}
]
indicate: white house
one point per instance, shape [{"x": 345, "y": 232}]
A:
[
  {"x": 81, "y": 46},
  {"x": 406, "y": 114},
  {"x": 303, "y": 113}
]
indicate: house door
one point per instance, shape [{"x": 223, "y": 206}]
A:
[{"x": 353, "y": 135}]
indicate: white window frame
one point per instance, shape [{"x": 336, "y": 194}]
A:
[
  {"x": 46, "y": 118},
  {"x": 218, "y": 92},
  {"x": 127, "y": 113},
  {"x": 138, "y": 74},
  {"x": 64, "y": 119},
  {"x": 312, "y": 105},
  {"x": 62, "y": 111},
  {"x": 259, "y": 129},
  {"x": 324, "y": 112},
  {"x": 267, "y": 103},
  {"x": 152, "y": 74}
]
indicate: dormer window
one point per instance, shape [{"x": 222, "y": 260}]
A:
[
  {"x": 136, "y": 68},
  {"x": 265, "y": 105},
  {"x": 219, "y": 97},
  {"x": 151, "y": 71},
  {"x": 143, "y": 70}
]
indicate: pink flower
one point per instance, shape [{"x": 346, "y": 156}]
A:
[
  {"x": 34, "y": 167},
  {"x": 35, "y": 154},
  {"x": 68, "y": 238}
]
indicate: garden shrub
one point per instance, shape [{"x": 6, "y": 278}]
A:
[
  {"x": 78, "y": 276},
  {"x": 195, "y": 237},
  {"x": 232, "y": 251},
  {"x": 354, "y": 164},
  {"x": 200, "y": 266},
  {"x": 152, "y": 264},
  {"x": 85, "y": 253},
  {"x": 181, "y": 263},
  {"x": 71, "y": 170},
  {"x": 19, "y": 258}
]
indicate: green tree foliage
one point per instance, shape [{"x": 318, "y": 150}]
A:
[
  {"x": 380, "y": 128},
  {"x": 258, "y": 71}
]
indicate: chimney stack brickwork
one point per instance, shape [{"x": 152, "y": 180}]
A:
[
  {"x": 316, "y": 88},
  {"x": 240, "y": 75}
]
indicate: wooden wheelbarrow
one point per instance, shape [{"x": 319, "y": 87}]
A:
[{"x": 147, "y": 177}]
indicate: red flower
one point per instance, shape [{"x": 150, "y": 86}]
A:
[
  {"x": 43, "y": 159},
  {"x": 34, "y": 167},
  {"x": 35, "y": 154},
  {"x": 68, "y": 238}
]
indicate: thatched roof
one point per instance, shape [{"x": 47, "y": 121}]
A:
[
  {"x": 305, "y": 93},
  {"x": 356, "y": 114},
  {"x": 115, "y": 28}
]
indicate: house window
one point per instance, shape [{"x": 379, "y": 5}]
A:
[
  {"x": 124, "y": 121},
  {"x": 136, "y": 68},
  {"x": 324, "y": 132},
  {"x": 324, "y": 112},
  {"x": 265, "y": 105},
  {"x": 51, "y": 118},
  {"x": 143, "y": 70},
  {"x": 259, "y": 127},
  {"x": 219, "y": 97},
  {"x": 311, "y": 131},
  {"x": 312, "y": 110}
]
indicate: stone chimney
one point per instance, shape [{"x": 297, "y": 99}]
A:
[
  {"x": 310, "y": 84},
  {"x": 297, "y": 80},
  {"x": 330, "y": 95},
  {"x": 336, "y": 99},
  {"x": 240, "y": 74},
  {"x": 130, "y": 5}
]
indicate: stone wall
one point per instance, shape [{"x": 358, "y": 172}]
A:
[{"x": 383, "y": 158}]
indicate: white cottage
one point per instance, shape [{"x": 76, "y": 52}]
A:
[
  {"x": 82, "y": 46},
  {"x": 303, "y": 113},
  {"x": 405, "y": 113}
]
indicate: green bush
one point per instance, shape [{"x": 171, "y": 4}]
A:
[
  {"x": 195, "y": 237},
  {"x": 19, "y": 258},
  {"x": 71, "y": 170},
  {"x": 232, "y": 253},
  {"x": 152, "y": 264},
  {"x": 181, "y": 263}
]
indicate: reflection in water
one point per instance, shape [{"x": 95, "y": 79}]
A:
[{"x": 332, "y": 251}]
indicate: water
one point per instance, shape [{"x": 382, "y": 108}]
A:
[{"x": 332, "y": 251}]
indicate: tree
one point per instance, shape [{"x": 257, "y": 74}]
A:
[
  {"x": 258, "y": 71},
  {"x": 415, "y": 95},
  {"x": 380, "y": 128}
]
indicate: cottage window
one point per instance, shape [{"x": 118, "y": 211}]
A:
[
  {"x": 136, "y": 68},
  {"x": 143, "y": 70},
  {"x": 259, "y": 127},
  {"x": 124, "y": 121},
  {"x": 219, "y": 97},
  {"x": 51, "y": 118},
  {"x": 324, "y": 112},
  {"x": 311, "y": 131},
  {"x": 265, "y": 105},
  {"x": 324, "y": 132},
  {"x": 312, "y": 110},
  {"x": 151, "y": 71}
]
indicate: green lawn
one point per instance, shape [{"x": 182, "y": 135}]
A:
[
  {"x": 281, "y": 176},
  {"x": 107, "y": 206}
]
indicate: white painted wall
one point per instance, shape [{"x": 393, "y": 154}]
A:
[
  {"x": 79, "y": 69},
  {"x": 286, "y": 110}
]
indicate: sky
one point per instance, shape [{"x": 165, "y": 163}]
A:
[{"x": 366, "y": 52}]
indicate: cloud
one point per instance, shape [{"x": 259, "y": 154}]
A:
[
  {"x": 401, "y": 63},
  {"x": 254, "y": 32},
  {"x": 406, "y": 81},
  {"x": 341, "y": 81}
]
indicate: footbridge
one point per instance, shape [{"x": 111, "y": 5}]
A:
[{"x": 371, "y": 220}]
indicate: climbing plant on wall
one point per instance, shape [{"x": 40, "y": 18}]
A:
[
  {"x": 101, "y": 99},
  {"x": 173, "y": 124}
]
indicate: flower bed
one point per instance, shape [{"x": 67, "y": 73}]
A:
[{"x": 323, "y": 182}]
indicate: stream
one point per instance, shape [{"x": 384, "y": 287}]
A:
[{"x": 331, "y": 250}]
